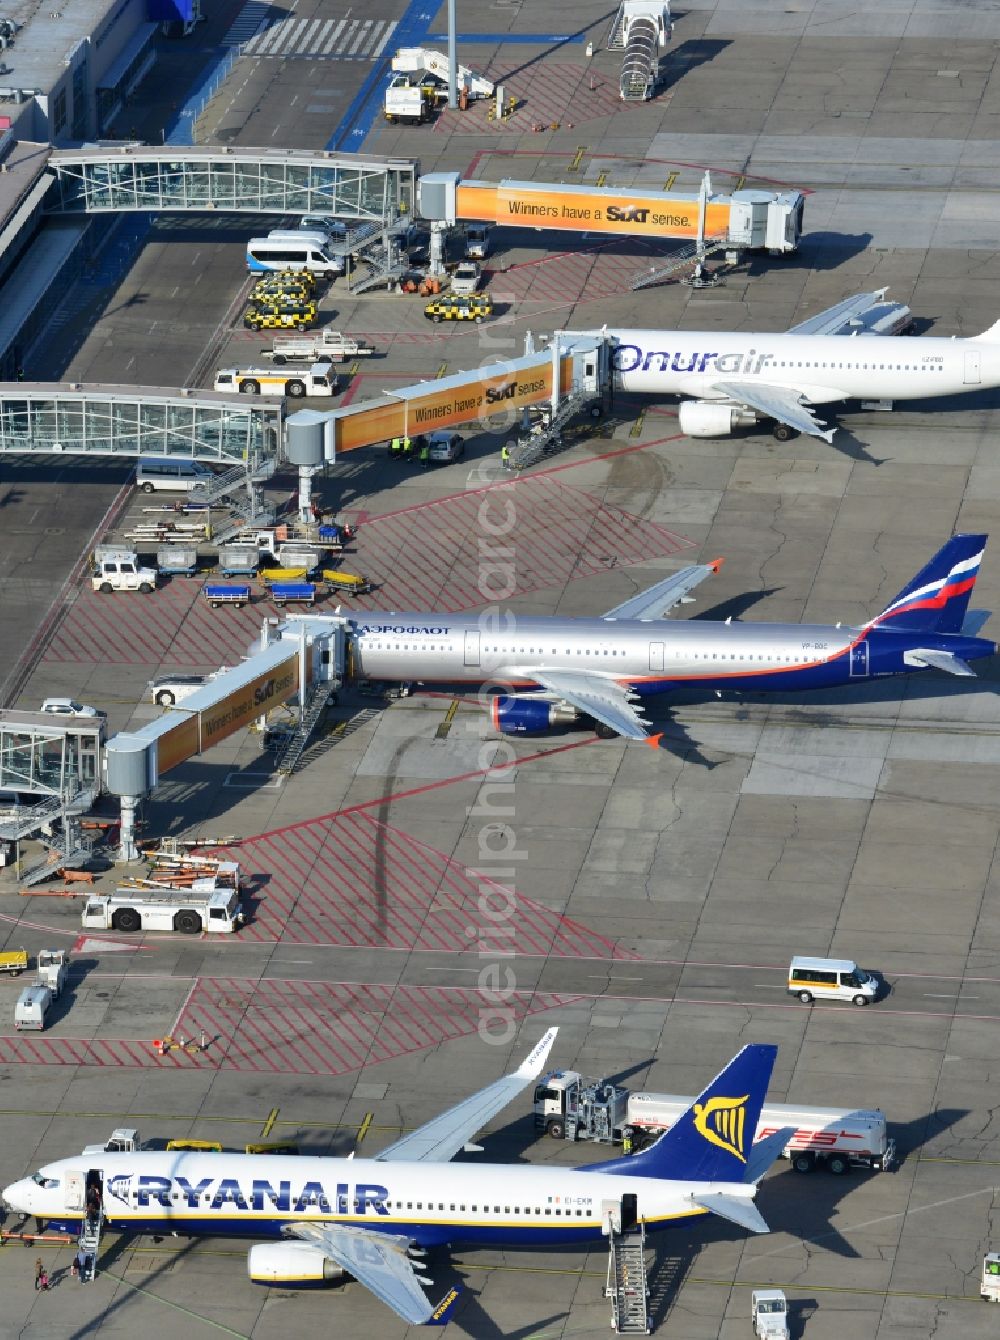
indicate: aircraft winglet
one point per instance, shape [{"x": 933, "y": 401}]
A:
[{"x": 531, "y": 1066}]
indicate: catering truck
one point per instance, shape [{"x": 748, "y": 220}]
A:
[
  {"x": 218, "y": 912},
  {"x": 567, "y": 1107}
]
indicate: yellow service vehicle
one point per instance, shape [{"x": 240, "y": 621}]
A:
[
  {"x": 194, "y": 1146},
  {"x": 280, "y": 316},
  {"x": 14, "y": 961},
  {"x": 280, "y": 293},
  {"x": 460, "y": 307}
]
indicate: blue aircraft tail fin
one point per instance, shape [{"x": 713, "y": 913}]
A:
[
  {"x": 937, "y": 599},
  {"x": 711, "y": 1142}
]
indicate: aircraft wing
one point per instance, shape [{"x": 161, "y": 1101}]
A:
[
  {"x": 777, "y": 402},
  {"x": 834, "y": 320},
  {"x": 441, "y": 1139},
  {"x": 659, "y": 600},
  {"x": 603, "y": 699},
  {"x": 380, "y": 1262}
]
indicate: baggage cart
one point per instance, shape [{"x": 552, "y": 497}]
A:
[
  {"x": 238, "y": 560},
  {"x": 271, "y": 575},
  {"x": 177, "y": 560},
  {"x": 347, "y": 582},
  {"x": 14, "y": 961},
  {"x": 219, "y": 593},
  {"x": 299, "y": 593}
]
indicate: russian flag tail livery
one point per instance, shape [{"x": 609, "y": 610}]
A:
[
  {"x": 938, "y": 597},
  {"x": 712, "y": 1141}
]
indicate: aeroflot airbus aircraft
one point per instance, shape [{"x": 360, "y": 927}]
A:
[
  {"x": 598, "y": 669},
  {"x": 738, "y": 378},
  {"x": 365, "y": 1217}
]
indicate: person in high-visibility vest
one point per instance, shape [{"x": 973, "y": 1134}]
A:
[
  {"x": 627, "y": 1140},
  {"x": 395, "y": 446},
  {"x": 505, "y": 456}
]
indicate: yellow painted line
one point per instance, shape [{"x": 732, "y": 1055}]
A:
[
  {"x": 365, "y": 1126},
  {"x": 602, "y": 179},
  {"x": 191, "y": 1117},
  {"x": 636, "y": 428},
  {"x": 670, "y": 181},
  {"x": 741, "y": 182},
  {"x": 268, "y": 1126},
  {"x": 442, "y": 731},
  {"x": 577, "y": 159},
  {"x": 354, "y": 368},
  {"x": 441, "y": 371}
]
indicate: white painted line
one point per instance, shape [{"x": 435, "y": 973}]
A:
[{"x": 384, "y": 42}]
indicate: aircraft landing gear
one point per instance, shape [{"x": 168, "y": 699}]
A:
[
  {"x": 604, "y": 732},
  {"x": 782, "y": 433}
]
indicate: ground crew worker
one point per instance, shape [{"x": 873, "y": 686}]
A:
[
  {"x": 425, "y": 454},
  {"x": 505, "y": 456},
  {"x": 627, "y": 1140},
  {"x": 396, "y": 446},
  {"x": 407, "y": 447}
]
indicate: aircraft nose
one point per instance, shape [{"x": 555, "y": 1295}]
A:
[{"x": 17, "y": 1196}]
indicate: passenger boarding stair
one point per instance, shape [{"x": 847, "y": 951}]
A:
[
  {"x": 626, "y": 1283},
  {"x": 641, "y": 29},
  {"x": 294, "y": 746},
  {"x": 232, "y": 480},
  {"x": 89, "y": 1240},
  {"x": 545, "y": 437},
  {"x": 692, "y": 255}
]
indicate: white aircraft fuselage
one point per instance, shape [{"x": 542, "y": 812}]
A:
[
  {"x": 820, "y": 368},
  {"x": 254, "y": 1195}
]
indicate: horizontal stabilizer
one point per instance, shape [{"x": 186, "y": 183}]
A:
[
  {"x": 736, "y": 1210},
  {"x": 765, "y": 1151},
  {"x": 939, "y": 660}
]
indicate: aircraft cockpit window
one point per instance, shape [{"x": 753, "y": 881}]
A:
[{"x": 48, "y": 1183}]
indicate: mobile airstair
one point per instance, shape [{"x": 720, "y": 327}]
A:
[
  {"x": 626, "y": 1282},
  {"x": 641, "y": 30},
  {"x": 422, "y": 61}
]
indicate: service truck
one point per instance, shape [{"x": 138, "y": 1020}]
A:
[
  {"x": 219, "y": 912},
  {"x": 408, "y": 100},
  {"x": 311, "y": 346},
  {"x": 118, "y": 569},
  {"x": 53, "y": 970},
  {"x": 319, "y": 379},
  {"x": 567, "y": 1107}
]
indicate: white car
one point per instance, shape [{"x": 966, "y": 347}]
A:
[
  {"x": 444, "y": 446},
  {"x": 466, "y": 277},
  {"x": 68, "y": 707}
]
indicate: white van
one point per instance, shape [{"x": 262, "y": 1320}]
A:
[
  {"x": 292, "y": 251},
  {"x": 174, "y": 474},
  {"x": 830, "y": 979}
]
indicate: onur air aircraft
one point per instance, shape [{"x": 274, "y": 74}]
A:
[
  {"x": 544, "y": 671},
  {"x": 322, "y": 1218},
  {"x": 735, "y": 378}
]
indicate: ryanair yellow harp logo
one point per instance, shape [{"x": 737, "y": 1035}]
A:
[{"x": 721, "y": 1122}]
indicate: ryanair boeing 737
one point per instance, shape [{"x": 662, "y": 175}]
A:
[
  {"x": 543, "y": 671},
  {"x": 373, "y": 1218},
  {"x": 733, "y": 378}
]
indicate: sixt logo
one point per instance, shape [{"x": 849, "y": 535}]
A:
[
  {"x": 721, "y": 1121},
  {"x": 496, "y": 394},
  {"x": 263, "y": 692},
  {"x": 628, "y": 213}
]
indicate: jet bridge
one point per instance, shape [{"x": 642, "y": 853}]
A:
[
  {"x": 752, "y": 220},
  {"x": 574, "y": 368},
  {"x": 303, "y": 659}
]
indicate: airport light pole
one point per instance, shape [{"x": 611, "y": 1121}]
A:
[{"x": 452, "y": 59}]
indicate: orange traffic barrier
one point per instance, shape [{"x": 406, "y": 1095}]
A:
[
  {"x": 57, "y": 1239},
  {"x": 76, "y": 876},
  {"x": 52, "y": 893}
]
